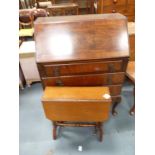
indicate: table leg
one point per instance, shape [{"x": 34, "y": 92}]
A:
[
  {"x": 100, "y": 132},
  {"x": 54, "y": 130},
  {"x": 132, "y": 110},
  {"x": 114, "y": 112}
]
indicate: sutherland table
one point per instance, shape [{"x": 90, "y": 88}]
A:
[
  {"x": 77, "y": 106},
  {"x": 84, "y": 50}
]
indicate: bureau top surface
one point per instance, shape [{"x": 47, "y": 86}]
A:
[
  {"x": 76, "y": 94},
  {"x": 83, "y": 37}
]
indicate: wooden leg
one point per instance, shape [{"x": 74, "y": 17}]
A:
[
  {"x": 114, "y": 112},
  {"x": 132, "y": 110},
  {"x": 54, "y": 130},
  {"x": 100, "y": 132}
]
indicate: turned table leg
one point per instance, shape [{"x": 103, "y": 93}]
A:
[
  {"x": 54, "y": 130},
  {"x": 100, "y": 132}
]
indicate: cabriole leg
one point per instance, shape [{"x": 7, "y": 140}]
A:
[{"x": 114, "y": 112}]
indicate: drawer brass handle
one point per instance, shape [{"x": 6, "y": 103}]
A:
[
  {"x": 59, "y": 82},
  {"x": 56, "y": 71},
  {"x": 111, "y": 68}
]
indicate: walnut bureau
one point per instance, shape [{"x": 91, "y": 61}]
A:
[{"x": 84, "y": 50}]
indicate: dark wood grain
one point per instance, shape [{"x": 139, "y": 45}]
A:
[
  {"x": 85, "y": 80},
  {"x": 83, "y": 68}
]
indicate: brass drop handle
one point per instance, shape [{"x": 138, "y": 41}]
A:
[
  {"x": 56, "y": 71},
  {"x": 59, "y": 82},
  {"x": 113, "y": 11},
  {"x": 114, "y": 1}
]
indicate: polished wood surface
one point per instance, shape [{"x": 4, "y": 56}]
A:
[
  {"x": 85, "y": 80},
  {"x": 83, "y": 51},
  {"x": 75, "y": 93},
  {"x": 78, "y": 104},
  {"x": 83, "y": 68},
  {"x": 83, "y": 111},
  {"x": 68, "y": 32}
]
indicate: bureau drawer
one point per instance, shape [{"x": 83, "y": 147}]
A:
[
  {"x": 114, "y": 2},
  {"x": 115, "y": 9},
  {"x": 83, "y": 68},
  {"x": 85, "y": 80}
]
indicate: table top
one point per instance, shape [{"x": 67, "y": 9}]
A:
[
  {"x": 82, "y": 37},
  {"x": 76, "y": 94},
  {"x": 131, "y": 70}
]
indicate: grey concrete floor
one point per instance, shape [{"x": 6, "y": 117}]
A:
[{"x": 36, "y": 130}]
